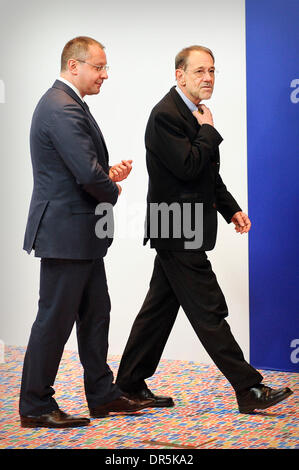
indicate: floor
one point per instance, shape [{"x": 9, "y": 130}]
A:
[{"x": 205, "y": 416}]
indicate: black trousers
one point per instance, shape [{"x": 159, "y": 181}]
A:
[
  {"x": 70, "y": 291},
  {"x": 183, "y": 279}
]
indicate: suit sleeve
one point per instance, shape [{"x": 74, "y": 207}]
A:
[
  {"x": 70, "y": 133},
  {"x": 183, "y": 158}
]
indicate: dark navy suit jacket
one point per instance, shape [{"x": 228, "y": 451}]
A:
[{"x": 70, "y": 171}]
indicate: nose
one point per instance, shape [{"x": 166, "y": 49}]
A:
[
  {"x": 104, "y": 74},
  {"x": 208, "y": 76}
]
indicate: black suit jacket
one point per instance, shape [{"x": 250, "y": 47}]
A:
[
  {"x": 70, "y": 171},
  {"x": 183, "y": 165}
]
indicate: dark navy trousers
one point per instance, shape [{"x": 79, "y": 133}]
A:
[{"x": 70, "y": 291}]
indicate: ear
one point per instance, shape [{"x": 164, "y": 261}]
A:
[
  {"x": 180, "y": 77},
  {"x": 72, "y": 65}
]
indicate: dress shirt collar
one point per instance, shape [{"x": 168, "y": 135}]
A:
[
  {"x": 71, "y": 86},
  {"x": 186, "y": 100}
]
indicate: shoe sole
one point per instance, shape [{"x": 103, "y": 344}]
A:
[
  {"x": 119, "y": 411},
  {"x": 156, "y": 405},
  {"x": 246, "y": 410},
  {"x": 43, "y": 425},
  {"x": 99, "y": 417}
]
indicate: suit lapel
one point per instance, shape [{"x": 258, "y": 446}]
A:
[
  {"x": 86, "y": 108},
  {"x": 183, "y": 108}
]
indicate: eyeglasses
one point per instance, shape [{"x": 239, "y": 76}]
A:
[
  {"x": 98, "y": 67},
  {"x": 201, "y": 72}
]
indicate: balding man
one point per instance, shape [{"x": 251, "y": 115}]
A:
[
  {"x": 183, "y": 164},
  {"x": 71, "y": 176}
]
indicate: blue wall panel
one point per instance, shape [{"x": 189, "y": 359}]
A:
[{"x": 272, "y": 42}]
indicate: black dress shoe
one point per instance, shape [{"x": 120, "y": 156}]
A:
[
  {"x": 261, "y": 397},
  {"x": 55, "y": 419},
  {"x": 120, "y": 405},
  {"x": 158, "y": 401}
]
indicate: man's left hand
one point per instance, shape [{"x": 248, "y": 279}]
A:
[
  {"x": 120, "y": 171},
  {"x": 242, "y": 222}
]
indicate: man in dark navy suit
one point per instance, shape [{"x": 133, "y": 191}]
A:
[
  {"x": 183, "y": 162},
  {"x": 71, "y": 177}
]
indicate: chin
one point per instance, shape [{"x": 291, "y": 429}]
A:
[
  {"x": 207, "y": 96},
  {"x": 94, "y": 91}
]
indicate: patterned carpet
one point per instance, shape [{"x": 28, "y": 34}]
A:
[{"x": 205, "y": 415}]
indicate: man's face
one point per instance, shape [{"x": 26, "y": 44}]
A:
[
  {"x": 88, "y": 79},
  {"x": 197, "y": 81}
]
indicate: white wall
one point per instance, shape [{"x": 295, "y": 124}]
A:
[{"x": 141, "y": 40}]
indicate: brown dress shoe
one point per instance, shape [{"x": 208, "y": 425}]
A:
[
  {"x": 120, "y": 405},
  {"x": 55, "y": 419}
]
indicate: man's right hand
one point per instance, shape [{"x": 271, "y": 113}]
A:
[
  {"x": 120, "y": 171},
  {"x": 205, "y": 118},
  {"x": 119, "y": 189}
]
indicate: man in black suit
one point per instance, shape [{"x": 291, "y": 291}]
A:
[
  {"x": 71, "y": 177},
  {"x": 183, "y": 164}
]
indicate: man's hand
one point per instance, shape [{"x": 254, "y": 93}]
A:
[
  {"x": 119, "y": 189},
  {"x": 120, "y": 171},
  {"x": 204, "y": 118},
  {"x": 242, "y": 222}
]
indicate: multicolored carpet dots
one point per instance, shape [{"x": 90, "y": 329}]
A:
[{"x": 205, "y": 416}]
